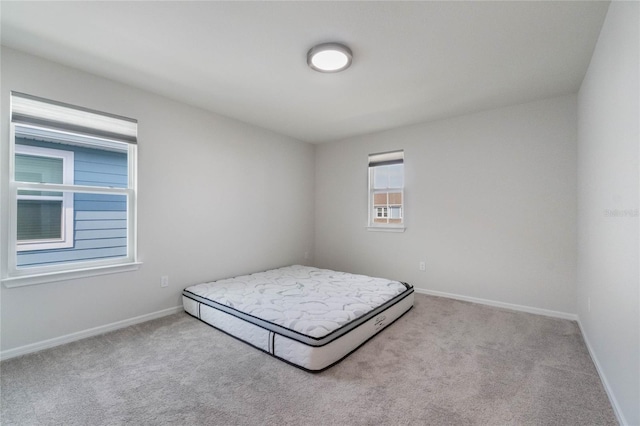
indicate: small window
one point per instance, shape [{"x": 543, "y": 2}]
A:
[
  {"x": 72, "y": 191},
  {"x": 381, "y": 212},
  {"x": 386, "y": 190}
]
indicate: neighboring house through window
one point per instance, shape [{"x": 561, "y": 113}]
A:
[
  {"x": 386, "y": 190},
  {"x": 44, "y": 219},
  {"x": 71, "y": 193}
]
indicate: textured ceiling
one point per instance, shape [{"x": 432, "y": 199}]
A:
[{"x": 413, "y": 61}]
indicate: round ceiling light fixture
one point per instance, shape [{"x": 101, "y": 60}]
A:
[{"x": 329, "y": 57}]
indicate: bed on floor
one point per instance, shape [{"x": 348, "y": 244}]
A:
[{"x": 309, "y": 317}]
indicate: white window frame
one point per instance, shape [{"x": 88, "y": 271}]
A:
[
  {"x": 66, "y": 238},
  {"x": 372, "y": 225},
  {"x": 78, "y": 126}
]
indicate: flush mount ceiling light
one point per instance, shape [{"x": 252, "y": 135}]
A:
[{"x": 329, "y": 57}]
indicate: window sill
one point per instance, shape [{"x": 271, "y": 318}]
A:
[
  {"x": 386, "y": 228},
  {"x": 73, "y": 274}
]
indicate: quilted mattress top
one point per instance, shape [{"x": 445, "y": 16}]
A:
[{"x": 311, "y": 301}]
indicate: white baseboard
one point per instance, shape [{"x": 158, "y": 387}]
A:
[
  {"x": 56, "y": 341},
  {"x": 603, "y": 378},
  {"x": 511, "y": 306}
]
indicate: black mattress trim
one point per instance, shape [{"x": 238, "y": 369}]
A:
[
  {"x": 296, "y": 335},
  {"x": 294, "y": 364}
]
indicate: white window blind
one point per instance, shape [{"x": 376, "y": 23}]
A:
[
  {"x": 386, "y": 158},
  {"x": 32, "y": 110}
]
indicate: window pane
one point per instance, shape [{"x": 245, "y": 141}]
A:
[
  {"x": 93, "y": 165},
  {"x": 391, "y": 176},
  {"x": 100, "y": 231},
  {"x": 387, "y": 207},
  {"x": 395, "y": 213},
  {"x": 396, "y": 176},
  {"x": 380, "y": 177},
  {"x": 395, "y": 198},
  {"x": 30, "y": 168},
  {"x": 39, "y": 220},
  {"x": 101, "y": 167}
]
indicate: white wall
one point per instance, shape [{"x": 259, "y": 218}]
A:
[
  {"x": 608, "y": 185},
  {"x": 490, "y": 206},
  {"x": 216, "y": 198}
]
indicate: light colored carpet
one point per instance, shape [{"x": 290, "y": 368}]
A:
[{"x": 445, "y": 362}]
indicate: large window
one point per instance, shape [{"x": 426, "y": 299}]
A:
[
  {"x": 386, "y": 191},
  {"x": 72, "y": 192}
]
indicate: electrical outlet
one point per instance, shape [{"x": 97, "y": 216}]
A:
[
  {"x": 422, "y": 266},
  {"x": 164, "y": 281}
]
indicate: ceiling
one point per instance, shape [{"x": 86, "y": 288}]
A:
[{"x": 412, "y": 61}]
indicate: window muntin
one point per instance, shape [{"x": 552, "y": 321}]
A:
[
  {"x": 99, "y": 170},
  {"x": 386, "y": 190}
]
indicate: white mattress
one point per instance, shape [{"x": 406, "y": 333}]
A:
[{"x": 306, "y": 316}]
